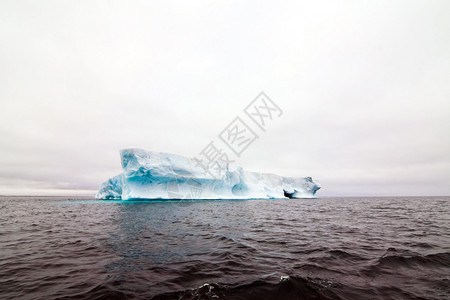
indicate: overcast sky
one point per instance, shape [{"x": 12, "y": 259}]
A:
[{"x": 364, "y": 87}]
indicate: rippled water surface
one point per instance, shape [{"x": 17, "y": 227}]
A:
[{"x": 330, "y": 248}]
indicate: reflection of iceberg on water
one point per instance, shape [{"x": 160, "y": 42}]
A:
[{"x": 156, "y": 175}]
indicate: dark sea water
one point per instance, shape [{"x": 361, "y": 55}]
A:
[{"x": 329, "y": 248}]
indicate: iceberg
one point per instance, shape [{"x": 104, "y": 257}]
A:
[{"x": 157, "y": 175}]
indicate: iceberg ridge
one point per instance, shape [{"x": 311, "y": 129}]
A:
[{"x": 157, "y": 175}]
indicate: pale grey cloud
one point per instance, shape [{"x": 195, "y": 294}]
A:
[{"x": 363, "y": 86}]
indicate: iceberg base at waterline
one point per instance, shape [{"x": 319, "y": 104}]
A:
[{"x": 157, "y": 175}]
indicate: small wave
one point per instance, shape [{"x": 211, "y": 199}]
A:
[
  {"x": 287, "y": 288},
  {"x": 395, "y": 259},
  {"x": 340, "y": 254},
  {"x": 410, "y": 259},
  {"x": 99, "y": 292}
]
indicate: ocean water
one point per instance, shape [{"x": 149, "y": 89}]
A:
[{"x": 329, "y": 248}]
